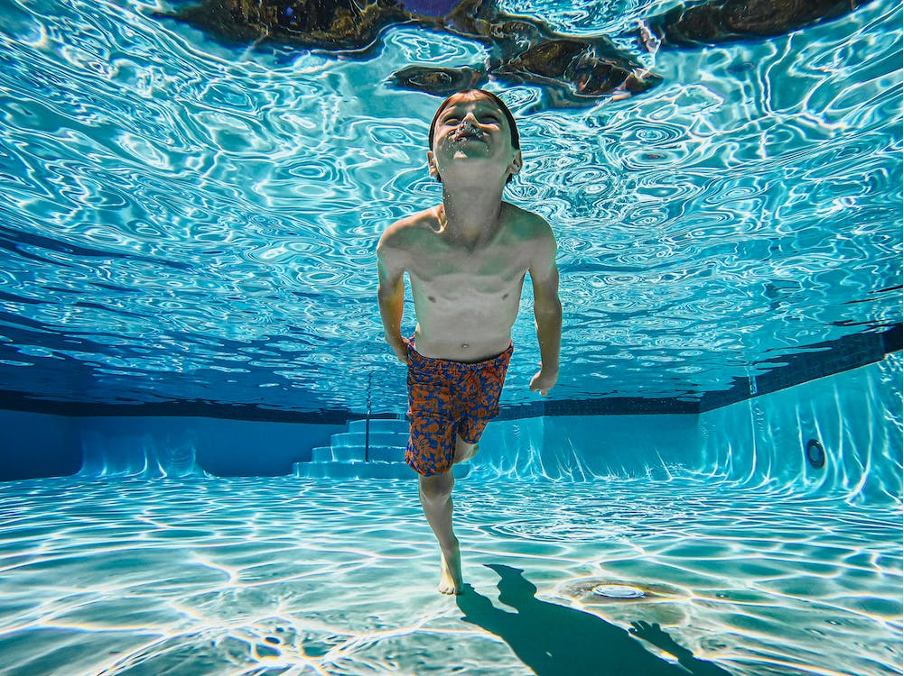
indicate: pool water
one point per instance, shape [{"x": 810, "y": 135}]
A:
[
  {"x": 184, "y": 220},
  {"x": 287, "y": 576},
  {"x": 187, "y": 228}
]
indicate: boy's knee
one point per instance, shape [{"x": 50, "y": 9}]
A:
[{"x": 436, "y": 488}]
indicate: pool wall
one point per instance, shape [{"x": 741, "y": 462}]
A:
[
  {"x": 35, "y": 445},
  {"x": 856, "y": 416},
  {"x": 584, "y": 447},
  {"x": 39, "y": 445}
]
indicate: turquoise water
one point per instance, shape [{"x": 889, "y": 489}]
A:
[
  {"x": 183, "y": 220},
  {"x": 750, "y": 560}
]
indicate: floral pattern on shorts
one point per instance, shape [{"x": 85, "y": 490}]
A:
[{"x": 449, "y": 398}]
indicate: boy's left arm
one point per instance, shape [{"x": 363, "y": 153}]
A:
[{"x": 544, "y": 275}]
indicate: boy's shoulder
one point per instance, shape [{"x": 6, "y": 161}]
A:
[
  {"x": 409, "y": 229},
  {"x": 527, "y": 224}
]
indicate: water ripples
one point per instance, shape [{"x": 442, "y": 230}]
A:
[
  {"x": 245, "y": 575},
  {"x": 157, "y": 184}
]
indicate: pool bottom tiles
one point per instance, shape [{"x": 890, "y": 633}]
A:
[{"x": 282, "y": 576}]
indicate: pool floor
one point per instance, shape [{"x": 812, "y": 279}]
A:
[{"x": 288, "y": 576}]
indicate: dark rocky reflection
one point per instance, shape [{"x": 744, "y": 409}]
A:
[
  {"x": 720, "y": 21},
  {"x": 571, "y": 71},
  {"x": 555, "y": 640}
]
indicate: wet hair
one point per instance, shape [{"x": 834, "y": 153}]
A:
[{"x": 513, "y": 128}]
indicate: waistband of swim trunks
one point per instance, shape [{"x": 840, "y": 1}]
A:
[{"x": 417, "y": 356}]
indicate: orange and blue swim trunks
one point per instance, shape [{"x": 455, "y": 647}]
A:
[{"x": 449, "y": 398}]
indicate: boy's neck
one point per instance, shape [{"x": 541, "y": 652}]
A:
[{"x": 471, "y": 214}]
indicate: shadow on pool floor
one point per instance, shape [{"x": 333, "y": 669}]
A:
[{"x": 555, "y": 640}]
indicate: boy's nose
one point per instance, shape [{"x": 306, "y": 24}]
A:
[{"x": 470, "y": 122}]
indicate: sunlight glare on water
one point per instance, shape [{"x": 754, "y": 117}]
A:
[
  {"x": 239, "y": 576},
  {"x": 188, "y": 220}
]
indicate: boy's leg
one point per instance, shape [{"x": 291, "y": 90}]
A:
[
  {"x": 479, "y": 403},
  {"x": 464, "y": 451},
  {"x": 467, "y": 435},
  {"x": 436, "y": 499}
]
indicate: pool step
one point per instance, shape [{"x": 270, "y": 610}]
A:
[
  {"x": 345, "y": 457},
  {"x": 380, "y": 425},
  {"x": 345, "y": 439},
  {"x": 358, "y": 454}
]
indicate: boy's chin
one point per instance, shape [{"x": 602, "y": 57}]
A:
[
  {"x": 472, "y": 181},
  {"x": 470, "y": 151}
]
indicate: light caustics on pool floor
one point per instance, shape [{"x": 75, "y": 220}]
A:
[{"x": 282, "y": 576}]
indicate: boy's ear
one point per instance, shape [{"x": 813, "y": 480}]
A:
[
  {"x": 516, "y": 164},
  {"x": 431, "y": 164}
]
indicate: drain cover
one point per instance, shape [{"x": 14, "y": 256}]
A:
[{"x": 617, "y": 591}]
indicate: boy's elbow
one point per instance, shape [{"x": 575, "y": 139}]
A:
[
  {"x": 388, "y": 291},
  {"x": 384, "y": 293},
  {"x": 548, "y": 300},
  {"x": 548, "y": 309}
]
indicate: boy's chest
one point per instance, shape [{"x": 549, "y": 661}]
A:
[{"x": 501, "y": 262}]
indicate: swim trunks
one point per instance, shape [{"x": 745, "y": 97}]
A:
[{"x": 449, "y": 398}]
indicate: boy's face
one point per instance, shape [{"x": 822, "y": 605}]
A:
[{"x": 472, "y": 135}]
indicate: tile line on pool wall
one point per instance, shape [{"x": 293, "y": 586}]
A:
[{"x": 814, "y": 362}]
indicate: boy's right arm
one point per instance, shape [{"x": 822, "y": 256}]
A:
[{"x": 391, "y": 297}]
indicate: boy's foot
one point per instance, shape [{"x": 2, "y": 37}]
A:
[
  {"x": 464, "y": 452},
  {"x": 450, "y": 581}
]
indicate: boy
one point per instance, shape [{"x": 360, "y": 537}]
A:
[{"x": 466, "y": 261}]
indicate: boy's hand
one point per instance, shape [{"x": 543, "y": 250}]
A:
[
  {"x": 399, "y": 347},
  {"x": 543, "y": 381}
]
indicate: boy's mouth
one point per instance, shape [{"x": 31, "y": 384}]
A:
[
  {"x": 465, "y": 138},
  {"x": 467, "y": 134}
]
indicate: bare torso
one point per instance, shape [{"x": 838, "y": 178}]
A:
[{"x": 466, "y": 297}]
